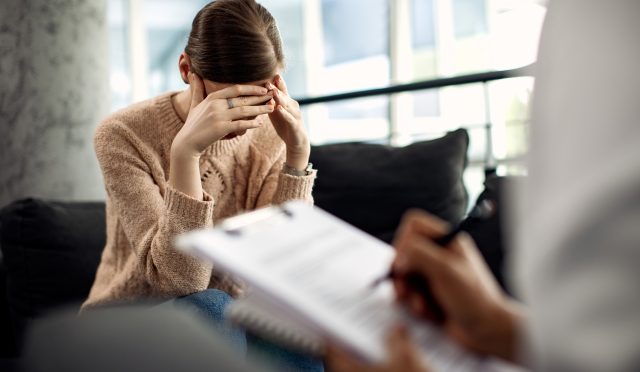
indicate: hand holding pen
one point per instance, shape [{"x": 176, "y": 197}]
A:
[{"x": 412, "y": 234}]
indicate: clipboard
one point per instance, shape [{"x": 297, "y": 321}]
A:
[{"x": 310, "y": 273}]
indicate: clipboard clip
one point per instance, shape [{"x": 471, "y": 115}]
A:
[{"x": 264, "y": 217}]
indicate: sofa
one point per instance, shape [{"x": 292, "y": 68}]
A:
[{"x": 50, "y": 249}]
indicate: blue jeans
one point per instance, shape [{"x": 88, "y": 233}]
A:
[{"x": 211, "y": 304}]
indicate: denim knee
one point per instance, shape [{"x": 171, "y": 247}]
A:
[{"x": 210, "y": 303}]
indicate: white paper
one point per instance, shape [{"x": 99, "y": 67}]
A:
[{"x": 318, "y": 270}]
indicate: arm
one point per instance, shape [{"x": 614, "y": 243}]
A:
[
  {"x": 152, "y": 214},
  {"x": 210, "y": 118},
  {"x": 280, "y": 186}
]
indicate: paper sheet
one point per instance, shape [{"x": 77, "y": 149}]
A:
[{"x": 318, "y": 270}]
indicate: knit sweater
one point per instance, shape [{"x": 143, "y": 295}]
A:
[{"x": 144, "y": 213}]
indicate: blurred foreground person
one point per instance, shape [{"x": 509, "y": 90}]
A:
[
  {"x": 135, "y": 338},
  {"x": 578, "y": 227}
]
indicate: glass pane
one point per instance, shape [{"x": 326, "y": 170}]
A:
[
  {"x": 168, "y": 23},
  {"x": 474, "y": 182},
  {"x": 469, "y": 17},
  {"x": 354, "y": 29},
  {"x": 326, "y": 127},
  {"x": 423, "y": 24},
  {"x": 510, "y": 101},
  {"x": 289, "y": 16},
  {"x": 120, "y": 79},
  {"x": 356, "y": 37}
]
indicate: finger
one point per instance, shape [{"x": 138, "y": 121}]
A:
[
  {"x": 280, "y": 83},
  {"x": 284, "y": 114},
  {"x": 287, "y": 102},
  {"x": 243, "y": 125},
  {"x": 339, "y": 361},
  {"x": 400, "y": 289},
  {"x": 239, "y": 91},
  {"x": 397, "y": 340},
  {"x": 197, "y": 89},
  {"x": 240, "y": 125},
  {"x": 403, "y": 351},
  {"x": 417, "y": 222},
  {"x": 424, "y": 257},
  {"x": 251, "y": 100},
  {"x": 249, "y": 111},
  {"x": 279, "y": 97},
  {"x": 464, "y": 245}
]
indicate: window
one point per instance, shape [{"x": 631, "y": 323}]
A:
[
  {"x": 423, "y": 23},
  {"x": 354, "y": 30},
  {"x": 120, "y": 79},
  {"x": 469, "y": 17},
  {"x": 335, "y": 46}
]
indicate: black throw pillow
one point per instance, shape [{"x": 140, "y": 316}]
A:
[
  {"x": 51, "y": 252},
  {"x": 371, "y": 186}
]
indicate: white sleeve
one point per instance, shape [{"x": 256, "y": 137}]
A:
[{"x": 577, "y": 262}]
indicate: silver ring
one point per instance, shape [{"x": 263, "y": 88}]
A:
[{"x": 230, "y": 103}]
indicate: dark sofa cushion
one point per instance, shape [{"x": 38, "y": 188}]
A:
[
  {"x": 371, "y": 186},
  {"x": 51, "y": 252}
]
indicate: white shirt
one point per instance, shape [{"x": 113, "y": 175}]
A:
[{"x": 577, "y": 262}]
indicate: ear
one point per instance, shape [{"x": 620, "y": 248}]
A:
[{"x": 184, "y": 65}]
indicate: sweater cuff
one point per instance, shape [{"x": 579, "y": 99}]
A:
[
  {"x": 184, "y": 206},
  {"x": 295, "y": 187}
]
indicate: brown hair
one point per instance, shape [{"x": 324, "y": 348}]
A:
[{"x": 234, "y": 41}]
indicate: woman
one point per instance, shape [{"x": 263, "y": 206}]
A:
[{"x": 233, "y": 141}]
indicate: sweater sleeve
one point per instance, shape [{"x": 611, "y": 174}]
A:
[
  {"x": 280, "y": 187},
  {"x": 152, "y": 215}
]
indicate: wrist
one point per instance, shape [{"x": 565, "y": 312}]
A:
[
  {"x": 503, "y": 335},
  {"x": 298, "y": 158},
  {"x": 182, "y": 153}
]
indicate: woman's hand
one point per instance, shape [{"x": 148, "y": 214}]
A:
[
  {"x": 477, "y": 312},
  {"x": 287, "y": 120},
  {"x": 402, "y": 357},
  {"x": 210, "y": 118}
]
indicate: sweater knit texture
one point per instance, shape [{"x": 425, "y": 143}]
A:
[{"x": 144, "y": 213}]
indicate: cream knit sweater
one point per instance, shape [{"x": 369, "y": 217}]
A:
[{"x": 144, "y": 214}]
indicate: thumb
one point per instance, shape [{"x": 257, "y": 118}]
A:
[
  {"x": 421, "y": 255},
  {"x": 197, "y": 89},
  {"x": 402, "y": 351}
]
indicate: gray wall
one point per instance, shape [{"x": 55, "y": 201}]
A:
[{"x": 54, "y": 89}]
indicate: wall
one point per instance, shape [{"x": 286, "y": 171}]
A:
[{"x": 54, "y": 89}]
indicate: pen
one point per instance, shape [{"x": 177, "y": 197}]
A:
[{"x": 416, "y": 282}]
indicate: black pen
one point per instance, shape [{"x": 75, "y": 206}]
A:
[{"x": 481, "y": 212}]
